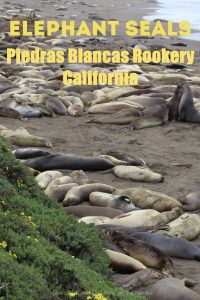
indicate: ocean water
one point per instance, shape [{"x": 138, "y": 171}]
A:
[{"x": 178, "y": 10}]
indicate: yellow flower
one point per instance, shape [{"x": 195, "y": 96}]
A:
[
  {"x": 12, "y": 254},
  {"x": 3, "y": 244},
  {"x": 33, "y": 224},
  {"x": 72, "y": 295},
  {"x": 89, "y": 298},
  {"x": 99, "y": 297},
  {"x": 29, "y": 218},
  {"x": 22, "y": 214}
]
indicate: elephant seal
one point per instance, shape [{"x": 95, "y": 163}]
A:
[
  {"x": 174, "y": 103},
  {"x": 164, "y": 217},
  {"x": 149, "y": 255},
  {"x": 43, "y": 179},
  {"x": 69, "y": 162},
  {"x": 129, "y": 158},
  {"x": 22, "y": 138},
  {"x": 137, "y": 280},
  {"x": 56, "y": 106},
  {"x": 27, "y": 153},
  {"x": 123, "y": 117},
  {"x": 122, "y": 203},
  {"x": 114, "y": 160},
  {"x": 135, "y": 218},
  {"x": 142, "y": 174},
  {"x": 79, "y": 177},
  {"x": 123, "y": 263},
  {"x": 94, "y": 219},
  {"x": 28, "y": 112},
  {"x": 186, "y": 226},
  {"x": 82, "y": 193},
  {"x": 112, "y": 107},
  {"x": 187, "y": 110},
  {"x": 144, "y": 198},
  {"x": 9, "y": 112},
  {"x": 173, "y": 246},
  {"x": 81, "y": 211},
  {"x": 173, "y": 289},
  {"x": 191, "y": 202},
  {"x": 58, "y": 192}
]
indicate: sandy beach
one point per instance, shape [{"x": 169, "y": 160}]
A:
[{"x": 171, "y": 149}]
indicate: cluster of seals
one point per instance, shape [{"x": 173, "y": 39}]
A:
[{"x": 181, "y": 105}]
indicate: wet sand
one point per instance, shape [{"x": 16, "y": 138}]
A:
[{"x": 172, "y": 149}]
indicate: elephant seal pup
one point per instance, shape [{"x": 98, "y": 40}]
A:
[
  {"x": 174, "y": 103},
  {"x": 27, "y": 153},
  {"x": 114, "y": 160},
  {"x": 69, "y": 162},
  {"x": 123, "y": 263},
  {"x": 58, "y": 192},
  {"x": 173, "y": 246},
  {"x": 81, "y": 211},
  {"x": 112, "y": 107},
  {"x": 186, "y": 226},
  {"x": 123, "y": 117},
  {"x": 173, "y": 289},
  {"x": 142, "y": 174},
  {"x": 94, "y": 220},
  {"x": 144, "y": 198},
  {"x": 165, "y": 217},
  {"x": 187, "y": 110},
  {"x": 9, "y": 112},
  {"x": 22, "y": 138},
  {"x": 129, "y": 158},
  {"x": 149, "y": 255},
  {"x": 28, "y": 112},
  {"x": 138, "y": 281},
  {"x": 114, "y": 201},
  {"x": 82, "y": 193},
  {"x": 135, "y": 218},
  {"x": 43, "y": 179},
  {"x": 79, "y": 177},
  {"x": 191, "y": 202}
]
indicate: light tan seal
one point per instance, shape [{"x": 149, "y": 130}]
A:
[
  {"x": 136, "y": 173},
  {"x": 123, "y": 263},
  {"x": 144, "y": 198},
  {"x": 186, "y": 226},
  {"x": 79, "y": 194},
  {"x": 114, "y": 201}
]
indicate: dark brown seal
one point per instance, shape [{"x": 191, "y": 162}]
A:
[{"x": 147, "y": 254}]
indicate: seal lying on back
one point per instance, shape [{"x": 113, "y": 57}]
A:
[
  {"x": 173, "y": 289},
  {"x": 173, "y": 246},
  {"x": 26, "y": 153},
  {"x": 81, "y": 211},
  {"x": 69, "y": 162},
  {"x": 145, "y": 253},
  {"x": 191, "y": 201}
]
